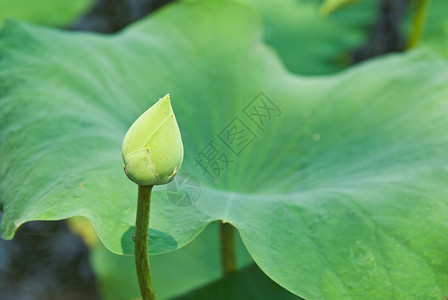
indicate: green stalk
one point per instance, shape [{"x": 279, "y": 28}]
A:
[
  {"x": 419, "y": 22},
  {"x": 141, "y": 242},
  {"x": 228, "y": 259}
]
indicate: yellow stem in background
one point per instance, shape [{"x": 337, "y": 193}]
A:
[{"x": 419, "y": 23}]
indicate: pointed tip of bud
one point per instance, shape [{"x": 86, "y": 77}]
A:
[
  {"x": 163, "y": 103},
  {"x": 165, "y": 98}
]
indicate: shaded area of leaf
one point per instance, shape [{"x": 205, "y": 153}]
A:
[
  {"x": 248, "y": 283},
  {"x": 157, "y": 240}
]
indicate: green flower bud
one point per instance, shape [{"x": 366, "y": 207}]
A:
[{"x": 152, "y": 148}]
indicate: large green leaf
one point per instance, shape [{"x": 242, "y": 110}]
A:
[
  {"x": 341, "y": 193},
  {"x": 48, "y": 12}
]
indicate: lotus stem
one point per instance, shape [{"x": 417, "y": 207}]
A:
[
  {"x": 228, "y": 258},
  {"x": 141, "y": 242}
]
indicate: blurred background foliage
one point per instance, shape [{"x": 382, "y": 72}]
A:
[
  {"x": 46, "y": 12},
  {"x": 312, "y": 37},
  {"x": 65, "y": 260}
]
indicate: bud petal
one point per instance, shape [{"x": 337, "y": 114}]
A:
[{"x": 152, "y": 148}]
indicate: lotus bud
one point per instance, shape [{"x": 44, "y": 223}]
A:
[{"x": 152, "y": 148}]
